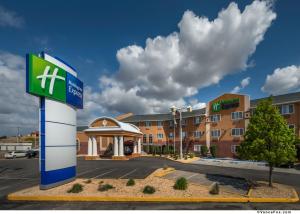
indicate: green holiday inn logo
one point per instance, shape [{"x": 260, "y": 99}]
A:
[
  {"x": 45, "y": 78},
  {"x": 225, "y": 104}
]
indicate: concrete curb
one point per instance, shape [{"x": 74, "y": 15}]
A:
[{"x": 13, "y": 197}]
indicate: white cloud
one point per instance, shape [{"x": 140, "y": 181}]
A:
[
  {"x": 172, "y": 68},
  {"x": 10, "y": 18},
  {"x": 244, "y": 83},
  {"x": 283, "y": 80},
  {"x": 17, "y": 109}
]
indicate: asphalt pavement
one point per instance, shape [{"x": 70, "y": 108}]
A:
[{"x": 22, "y": 173}]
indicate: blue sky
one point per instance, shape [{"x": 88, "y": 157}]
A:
[{"x": 88, "y": 34}]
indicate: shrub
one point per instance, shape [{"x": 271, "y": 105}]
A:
[
  {"x": 148, "y": 190},
  {"x": 88, "y": 181},
  {"x": 214, "y": 189},
  {"x": 185, "y": 157},
  {"x": 130, "y": 182},
  {"x": 181, "y": 184},
  {"x": 105, "y": 187},
  {"x": 191, "y": 155},
  {"x": 76, "y": 188},
  {"x": 204, "y": 150},
  {"x": 213, "y": 150},
  {"x": 101, "y": 182},
  {"x": 165, "y": 167}
]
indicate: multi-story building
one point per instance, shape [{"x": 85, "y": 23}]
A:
[{"x": 222, "y": 123}]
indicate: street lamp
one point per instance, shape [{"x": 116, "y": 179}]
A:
[{"x": 175, "y": 110}]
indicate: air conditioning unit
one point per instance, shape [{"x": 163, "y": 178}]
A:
[{"x": 247, "y": 115}]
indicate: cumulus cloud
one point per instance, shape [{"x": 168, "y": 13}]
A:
[
  {"x": 282, "y": 80},
  {"x": 10, "y": 18},
  {"x": 244, "y": 83},
  {"x": 17, "y": 109},
  {"x": 172, "y": 68}
]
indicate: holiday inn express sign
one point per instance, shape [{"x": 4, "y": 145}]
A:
[
  {"x": 61, "y": 94},
  {"x": 225, "y": 104},
  {"x": 48, "y": 80}
]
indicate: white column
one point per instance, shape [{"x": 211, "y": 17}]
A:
[
  {"x": 135, "y": 150},
  {"x": 121, "y": 146},
  {"x": 95, "y": 152},
  {"x": 116, "y": 146},
  {"x": 139, "y": 146},
  {"x": 90, "y": 146}
]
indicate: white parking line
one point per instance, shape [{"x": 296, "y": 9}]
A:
[
  {"x": 8, "y": 178},
  {"x": 191, "y": 176},
  {"x": 127, "y": 174},
  {"x": 103, "y": 174},
  {"x": 87, "y": 171}
]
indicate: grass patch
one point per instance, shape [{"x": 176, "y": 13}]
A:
[
  {"x": 105, "y": 187},
  {"x": 148, "y": 190},
  {"x": 76, "y": 188},
  {"x": 130, "y": 182},
  {"x": 181, "y": 184}
]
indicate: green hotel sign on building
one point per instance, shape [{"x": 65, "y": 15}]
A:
[{"x": 225, "y": 104}]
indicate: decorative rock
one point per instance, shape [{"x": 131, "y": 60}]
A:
[{"x": 214, "y": 188}]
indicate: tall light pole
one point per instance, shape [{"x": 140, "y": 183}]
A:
[{"x": 174, "y": 109}]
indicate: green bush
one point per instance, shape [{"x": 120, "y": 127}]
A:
[
  {"x": 185, "y": 157},
  {"x": 191, "y": 155},
  {"x": 76, "y": 188},
  {"x": 130, "y": 182},
  {"x": 181, "y": 184},
  {"x": 213, "y": 150},
  {"x": 165, "y": 167},
  {"x": 204, "y": 150},
  {"x": 148, "y": 190},
  {"x": 105, "y": 187}
]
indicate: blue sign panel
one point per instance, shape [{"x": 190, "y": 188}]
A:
[{"x": 74, "y": 91}]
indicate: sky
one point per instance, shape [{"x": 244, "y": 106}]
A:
[{"x": 145, "y": 56}]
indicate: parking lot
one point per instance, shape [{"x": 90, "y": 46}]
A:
[{"x": 20, "y": 173}]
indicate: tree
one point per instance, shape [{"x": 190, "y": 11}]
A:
[{"x": 268, "y": 138}]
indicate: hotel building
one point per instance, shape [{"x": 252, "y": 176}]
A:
[{"x": 222, "y": 123}]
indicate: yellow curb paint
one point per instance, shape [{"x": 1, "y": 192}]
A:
[
  {"x": 164, "y": 172},
  {"x": 13, "y": 197}
]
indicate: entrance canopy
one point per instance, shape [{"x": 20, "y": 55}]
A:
[{"x": 110, "y": 126}]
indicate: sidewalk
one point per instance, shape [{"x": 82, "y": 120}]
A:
[{"x": 242, "y": 165}]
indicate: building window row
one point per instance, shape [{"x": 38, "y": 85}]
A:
[
  {"x": 238, "y": 115},
  {"x": 237, "y": 131},
  {"x": 286, "y": 109},
  {"x": 197, "y": 148},
  {"x": 215, "y": 118},
  {"x": 216, "y": 133}
]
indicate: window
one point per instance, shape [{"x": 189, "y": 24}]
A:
[
  {"x": 237, "y": 131},
  {"x": 292, "y": 126},
  {"x": 144, "y": 138},
  {"x": 216, "y": 133},
  {"x": 171, "y": 123},
  {"x": 183, "y": 122},
  {"x": 159, "y": 123},
  {"x": 286, "y": 109},
  {"x": 148, "y": 123},
  {"x": 160, "y": 136},
  {"x": 184, "y": 135},
  {"x": 234, "y": 148},
  {"x": 197, "y": 134},
  {"x": 197, "y": 148},
  {"x": 215, "y": 118},
  {"x": 197, "y": 120},
  {"x": 171, "y": 135},
  {"x": 238, "y": 115},
  {"x": 150, "y": 139}
]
